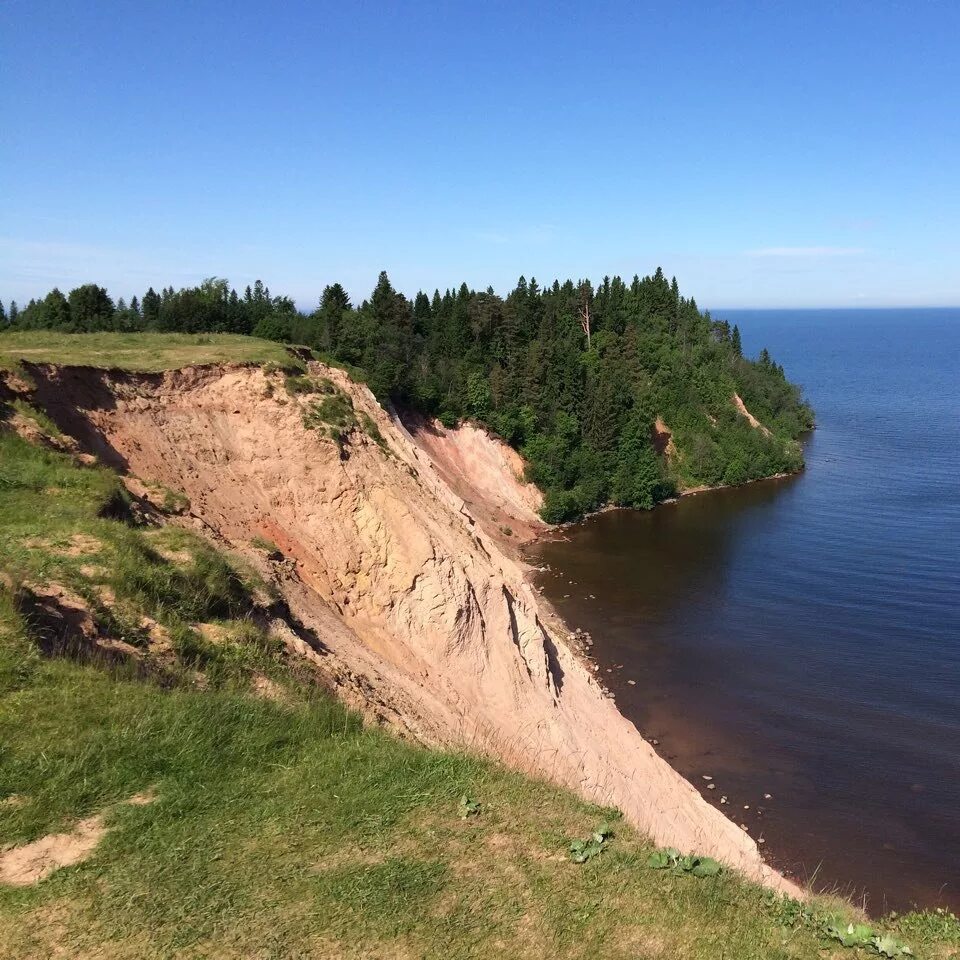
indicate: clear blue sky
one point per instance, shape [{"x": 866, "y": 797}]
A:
[{"x": 767, "y": 154}]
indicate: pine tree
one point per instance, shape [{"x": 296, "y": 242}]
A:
[
  {"x": 333, "y": 305},
  {"x": 735, "y": 341},
  {"x": 151, "y": 309}
]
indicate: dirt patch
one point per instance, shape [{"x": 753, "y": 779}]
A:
[
  {"x": 662, "y": 439},
  {"x": 215, "y": 633},
  {"x": 747, "y": 415},
  {"x": 33, "y": 862},
  {"x": 143, "y": 799},
  {"x": 31, "y": 431},
  {"x": 81, "y": 545},
  {"x": 59, "y": 619},
  {"x": 268, "y": 689}
]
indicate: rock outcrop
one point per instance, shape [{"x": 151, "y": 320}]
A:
[{"x": 417, "y": 607}]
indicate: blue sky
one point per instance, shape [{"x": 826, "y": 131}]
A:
[{"x": 767, "y": 154}]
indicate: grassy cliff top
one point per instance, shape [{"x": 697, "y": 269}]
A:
[{"x": 138, "y": 352}]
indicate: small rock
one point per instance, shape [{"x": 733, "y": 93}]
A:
[
  {"x": 656, "y": 743},
  {"x": 743, "y": 826},
  {"x": 767, "y": 796},
  {"x": 761, "y": 840},
  {"x": 711, "y": 786},
  {"x": 707, "y": 776},
  {"x": 632, "y": 683},
  {"x": 723, "y": 799},
  {"x": 746, "y": 806}
]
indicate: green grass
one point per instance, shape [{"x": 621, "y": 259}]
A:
[
  {"x": 142, "y": 352},
  {"x": 296, "y": 384},
  {"x": 39, "y": 417},
  {"x": 262, "y": 543},
  {"x": 285, "y": 828}
]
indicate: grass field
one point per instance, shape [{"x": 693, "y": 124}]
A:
[
  {"x": 143, "y": 352},
  {"x": 282, "y": 827}
]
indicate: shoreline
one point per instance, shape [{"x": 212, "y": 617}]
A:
[
  {"x": 580, "y": 642},
  {"x": 670, "y": 501}
]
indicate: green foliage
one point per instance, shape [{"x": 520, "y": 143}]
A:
[
  {"x": 640, "y": 480},
  {"x": 297, "y": 384},
  {"x": 581, "y": 851},
  {"x": 335, "y": 411},
  {"x": 262, "y": 543},
  {"x": 146, "y": 352},
  {"x": 866, "y": 937},
  {"x": 371, "y": 429},
  {"x": 468, "y": 807},
  {"x": 670, "y": 858},
  {"x": 939, "y": 924},
  {"x": 174, "y": 501}
]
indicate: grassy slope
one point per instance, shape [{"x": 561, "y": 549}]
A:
[
  {"x": 145, "y": 352},
  {"x": 286, "y": 829}
]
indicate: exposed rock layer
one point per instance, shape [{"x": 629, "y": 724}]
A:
[
  {"x": 416, "y": 606},
  {"x": 485, "y": 472}
]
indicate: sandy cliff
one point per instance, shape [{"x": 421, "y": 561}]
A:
[
  {"x": 416, "y": 608},
  {"x": 486, "y": 473}
]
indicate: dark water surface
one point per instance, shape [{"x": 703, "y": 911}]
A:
[{"x": 801, "y": 637}]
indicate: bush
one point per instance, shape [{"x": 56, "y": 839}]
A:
[
  {"x": 296, "y": 384},
  {"x": 559, "y": 506}
]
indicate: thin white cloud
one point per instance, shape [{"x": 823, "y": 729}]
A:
[{"x": 807, "y": 252}]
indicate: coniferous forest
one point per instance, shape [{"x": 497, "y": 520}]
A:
[{"x": 574, "y": 376}]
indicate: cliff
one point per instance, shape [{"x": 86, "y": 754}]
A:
[{"x": 420, "y": 615}]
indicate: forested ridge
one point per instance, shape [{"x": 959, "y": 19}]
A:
[{"x": 574, "y": 376}]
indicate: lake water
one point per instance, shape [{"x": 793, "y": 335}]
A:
[{"x": 801, "y": 637}]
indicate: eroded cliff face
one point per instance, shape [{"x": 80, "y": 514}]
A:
[
  {"x": 417, "y": 608},
  {"x": 486, "y": 473}
]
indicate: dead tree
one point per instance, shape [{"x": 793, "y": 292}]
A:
[{"x": 585, "y": 320}]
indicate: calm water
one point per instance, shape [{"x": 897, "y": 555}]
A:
[{"x": 802, "y": 637}]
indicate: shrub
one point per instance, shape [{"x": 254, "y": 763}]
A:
[{"x": 297, "y": 383}]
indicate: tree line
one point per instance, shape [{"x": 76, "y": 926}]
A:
[{"x": 573, "y": 375}]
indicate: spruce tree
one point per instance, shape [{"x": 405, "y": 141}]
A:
[{"x": 151, "y": 309}]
